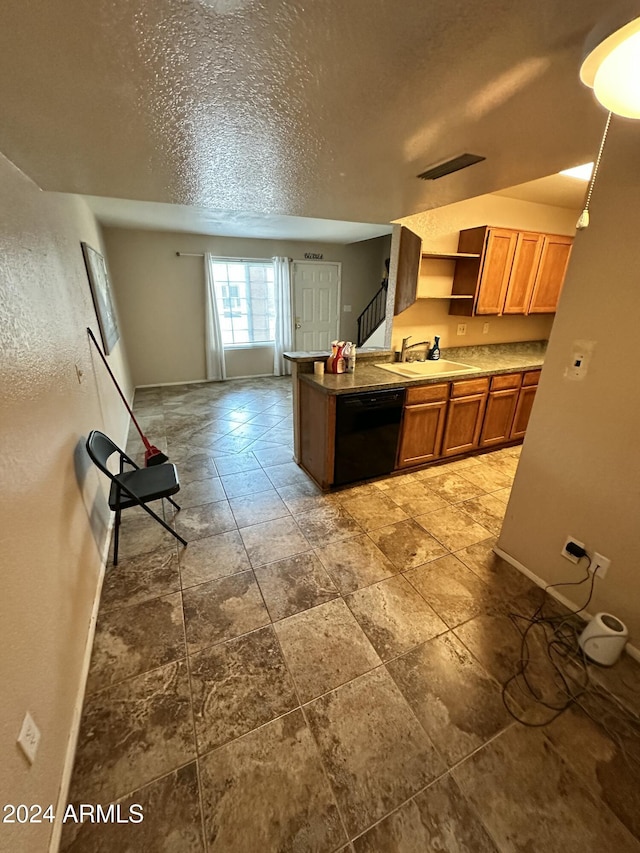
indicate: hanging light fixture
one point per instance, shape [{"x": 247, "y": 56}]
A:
[{"x": 612, "y": 67}]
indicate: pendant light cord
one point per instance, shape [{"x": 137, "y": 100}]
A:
[{"x": 597, "y": 163}]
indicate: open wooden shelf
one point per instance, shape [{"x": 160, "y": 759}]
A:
[{"x": 448, "y": 256}]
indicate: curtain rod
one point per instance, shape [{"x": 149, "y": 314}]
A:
[{"x": 220, "y": 258}]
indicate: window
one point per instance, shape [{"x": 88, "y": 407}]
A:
[{"x": 245, "y": 300}]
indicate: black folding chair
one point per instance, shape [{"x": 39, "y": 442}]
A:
[{"x": 133, "y": 488}]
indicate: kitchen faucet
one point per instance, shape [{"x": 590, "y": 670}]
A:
[{"x": 405, "y": 349}]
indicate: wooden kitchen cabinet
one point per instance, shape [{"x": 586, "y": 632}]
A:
[
  {"x": 423, "y": 420},
  {"x": 518, "y": 272},
  {"x": 500, "y": 410},
  {"x": 526, "y": 261},
  {"x": 409, "y": 256},
  {"x": 464, "y": 416},
  {"x": 317, "y": 416},
  {"x": 525, "y": 403},
  {"x": 552, "y": 269}
]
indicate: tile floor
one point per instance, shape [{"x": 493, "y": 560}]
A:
[{"x": 322, "y": 672}]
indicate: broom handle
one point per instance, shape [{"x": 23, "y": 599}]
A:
[{"x": 115, "y": 382}]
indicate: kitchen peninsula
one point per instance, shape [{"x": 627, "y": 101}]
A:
[{"x": 487, "y": 405}]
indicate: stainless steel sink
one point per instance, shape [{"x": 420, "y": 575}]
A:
[{"x": 417, "y": 369}]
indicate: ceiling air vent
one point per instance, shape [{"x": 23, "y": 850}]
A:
[{"x": 450, "y": 166}]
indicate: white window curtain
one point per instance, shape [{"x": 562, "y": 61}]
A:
[
  {"x": 216, "y": 368},
  {"x": 284, "y": 333}
]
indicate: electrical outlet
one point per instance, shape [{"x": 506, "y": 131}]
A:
[
  {"x": 462, "y": 329},
  {"x": 566, "y": 554},
  {"x": 29, "y": 738},
  {"x": 485, "y": 329},
  {"x": 599, "y": 565}
]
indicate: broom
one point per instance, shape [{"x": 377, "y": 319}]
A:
[{"x": 152, "y": 455}]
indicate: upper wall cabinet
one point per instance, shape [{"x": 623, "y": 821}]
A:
[
  {"x": 518, "y": 272},
  {"x": 408, "y": 269}
]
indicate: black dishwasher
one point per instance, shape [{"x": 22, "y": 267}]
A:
[{"x": 367, "y": 427}]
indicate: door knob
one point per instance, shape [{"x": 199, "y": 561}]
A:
[{"x": 298, "y": 325}]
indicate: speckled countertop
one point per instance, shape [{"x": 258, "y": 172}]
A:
[{"x": 489, "y": 360}]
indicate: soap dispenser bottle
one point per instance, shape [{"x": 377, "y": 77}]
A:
[{"x": 434, "y": 352}]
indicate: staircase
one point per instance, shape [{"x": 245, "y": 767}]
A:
[{"x": 373, "y": 315}]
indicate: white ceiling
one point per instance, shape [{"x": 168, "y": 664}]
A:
[
  {"x": 558, "y": 190},
  {"x": 254, "y": 111}
]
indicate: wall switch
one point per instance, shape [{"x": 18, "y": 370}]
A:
[
  {"x": 571, "y": 557},
  {"x": 462, "y": 329},
  {"x": 599, "y": 565},
  {"x": 579, "y": 360},
  {"x": 346, "y": 309},
  {"x": 29, "y": 738},
  {"x": 485, "y": 328}
]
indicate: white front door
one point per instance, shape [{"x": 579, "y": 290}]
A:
[{"x": 316, "y": 300}]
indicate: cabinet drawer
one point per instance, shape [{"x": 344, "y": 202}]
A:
[
  {"x": 531, "y": 377},
  {"x": 427, "y": 393},
  {"x": 502, "y": 383},
  {"x": 469, "y": 386}
]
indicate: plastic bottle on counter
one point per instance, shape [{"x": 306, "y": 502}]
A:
[
  {"x": 434, "y": 352},
  {"x": 335, "y": 362},
  {"x": 350, "y": 357}
]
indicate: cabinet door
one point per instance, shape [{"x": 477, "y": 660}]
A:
[
  {"x": 421, "y": 436},
  {"x": 496, "y": 269},
  {"x": 409, "y": 255},
  {"x": 523, "y": 272},
  {"x": 551, "y": 273},
  {"x": 498, "y": 417},
  {"x": 464, "y": 421},
  {"x": 523, "y": 411}
]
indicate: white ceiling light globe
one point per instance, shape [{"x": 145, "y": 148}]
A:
[{"x": 617, "y": 81}]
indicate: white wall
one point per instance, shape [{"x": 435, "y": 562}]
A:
[
  {"x": 52, "y": 502},
  {"x": 162, "y": 296},
  {"x": 440, "y": 230},
  {"x": 580, "y": 468}
]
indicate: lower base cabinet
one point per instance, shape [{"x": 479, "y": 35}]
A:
[
  {"x": 464, "y": 416},
  {"x": 501, "y": 407},
  {"x": 423, "y": 422},
  {"x": 525, "y": 404}
]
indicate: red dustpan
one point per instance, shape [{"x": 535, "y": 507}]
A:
[{"x": 152, "y": 455}]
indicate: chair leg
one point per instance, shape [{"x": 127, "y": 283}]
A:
[
  {"x": 174, "y": 503},
  {"x": 163, "y": 523},
  {"x": 116, "y": 538}
]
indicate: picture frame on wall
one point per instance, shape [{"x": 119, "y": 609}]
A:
[{"x": 101, "y": 294}]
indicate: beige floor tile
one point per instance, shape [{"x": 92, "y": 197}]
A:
[
  {"x": 487, "y": 510},
  {"x": 453, "y": 487},
  {"x": 414, "y": 497},
  {"x": 213, "y": 557},
  {"x": 406, "y": 544},
  {"x": 373, "y": 510},
  {"x": 238, "y": 686},
  {"x": 267, "y": 791},
  {"x": 493, "y": 570},
  {"x": 273, "y": 540},
  {"x": 294, "y": 584},
  {"x": 254, "y": 509},
  {"x": 487, "y": 477},
  {"x": 223, "y": 609},
  {"x": 453, "y": 528},
  {"x": 329, "y": 523},
  {"x": 324, "y": 647},
  {"x": 454, "y": 591},
  {"x": 394, "y": 616},
  {"x": 354, "y": 563},
  {"x": 199, "y": 522},
  {"x": 375, "y": 761}
]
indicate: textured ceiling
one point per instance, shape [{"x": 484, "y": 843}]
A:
[{"x": 324, "y": 108}]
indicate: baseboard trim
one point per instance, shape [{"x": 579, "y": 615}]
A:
[
  {"x": 74, "y": 731},
  {"x": 211, "y": 381},
  {"x": 632, "y": 651}
]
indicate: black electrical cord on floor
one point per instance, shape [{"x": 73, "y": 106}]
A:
[{"x": 560, "y": 642}]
